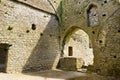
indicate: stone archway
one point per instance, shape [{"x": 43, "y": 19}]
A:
[{"x": 76, "y": 43}]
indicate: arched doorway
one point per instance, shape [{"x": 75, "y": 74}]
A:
[{"x": 76, "y": 43}]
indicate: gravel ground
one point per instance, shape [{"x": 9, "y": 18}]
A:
[{"x": 54, "y": 75}]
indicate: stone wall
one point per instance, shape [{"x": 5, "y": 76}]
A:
[
  {"x": 100, "y": 19},
  {"x": 32, "y": 33},
  {"x": 31, "y": 29}
]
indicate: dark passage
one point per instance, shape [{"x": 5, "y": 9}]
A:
[
  {"x": 70, "y": 50},
  {"x": 3, "y": 56}
]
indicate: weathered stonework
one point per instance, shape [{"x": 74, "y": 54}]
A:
[
  {"x": 104, "y": 36},
  {"x": 31, "y": 34},
  {"x": 35, "y": 34},
  {"x": 71, "y": 63}
]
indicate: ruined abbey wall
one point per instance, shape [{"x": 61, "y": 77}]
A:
[
  {"x": 100, "y": 19},
  {"x": 31, "y": 32}
]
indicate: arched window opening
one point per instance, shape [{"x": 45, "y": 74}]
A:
[{"x": 92, "y": 15}]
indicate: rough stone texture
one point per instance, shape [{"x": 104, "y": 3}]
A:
[
  {"x": 31, "y": 34},
  {"x": 109, "y": 52},
  {"x": 104, "y": 36},
  {"x": 70, "y": 63}
]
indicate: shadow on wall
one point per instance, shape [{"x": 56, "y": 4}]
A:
[{"x": 45, "y": 52}]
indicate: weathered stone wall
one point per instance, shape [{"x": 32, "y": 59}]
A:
[
  {"x": 31, "y": 29},
  {"x": 32, "y": 33},
  {"x": 104, "y": 33},
  {"x": 109, "y": 46}
]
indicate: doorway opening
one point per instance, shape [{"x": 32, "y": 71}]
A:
[
  {"x": 3, "y": 56},
  {"x": 70, "y": 50}
]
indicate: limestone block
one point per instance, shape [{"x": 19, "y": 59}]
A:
[{"x": 70, "y": 63}]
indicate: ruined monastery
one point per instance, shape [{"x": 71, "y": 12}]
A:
[{"x": 39, "y": 35}]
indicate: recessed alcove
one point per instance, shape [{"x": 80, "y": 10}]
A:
[
  {"x": 4, "y": 47},
  {"x": 33, "y": 27},
  {"x": 92, "y": 15},
  {"x": 70, "y": 51}
]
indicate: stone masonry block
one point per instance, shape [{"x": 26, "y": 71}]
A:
[{"x": 70, "y": 63}]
